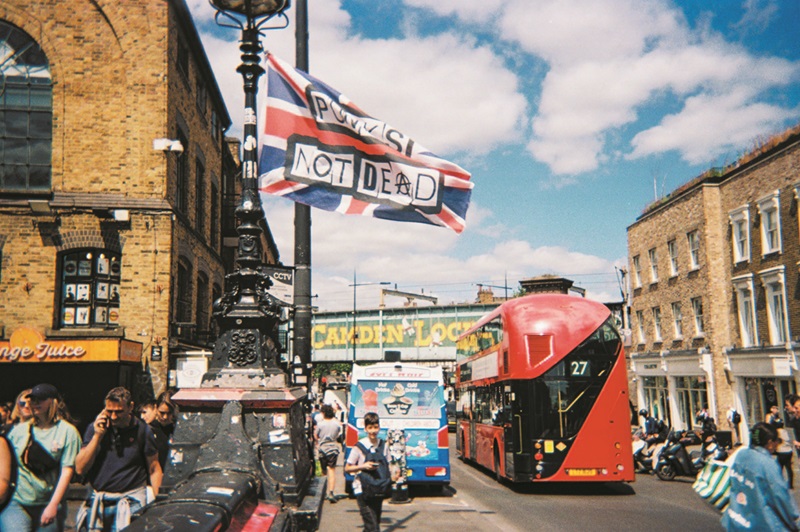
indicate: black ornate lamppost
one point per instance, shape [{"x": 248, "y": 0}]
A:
[{"x": 245, "y": 353}]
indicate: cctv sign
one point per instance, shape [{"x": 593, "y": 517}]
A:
[{"x": 282, "y": 283}]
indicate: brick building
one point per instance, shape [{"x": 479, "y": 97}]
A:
[
  {"x": 117, "y": 191},
  {"x": 715, "y": 304}
]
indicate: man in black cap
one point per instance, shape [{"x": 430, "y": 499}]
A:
[{"x": 118, "y": 456}]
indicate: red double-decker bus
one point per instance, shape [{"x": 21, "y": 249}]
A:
[{"x": 542, "y": 392}]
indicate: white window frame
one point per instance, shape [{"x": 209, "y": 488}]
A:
[
  {"x": 699, "y": 326},
  {"x": 693, "y": 240},
  {"x": 744, "y": 289},
  {"x": 653, "y": 256},
  {"x": 769, "y": 210},
  {"x": 672, "y": 248},
  {"x": 637, "y": 272},
  {"x": 740, "y": 234},
  {"x": 640, "y": 326},
  {"x": 774, "y": 282},
  {"x": 677, "y": 320},
  {"x": 657, "y": 324}
]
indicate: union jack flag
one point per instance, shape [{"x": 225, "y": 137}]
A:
[{"x": 320, "y": 149}]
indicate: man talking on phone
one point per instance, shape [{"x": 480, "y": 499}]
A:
[{"x": 118, "y": 457}]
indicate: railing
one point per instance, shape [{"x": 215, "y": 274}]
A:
[{"x": 188, "y": 332}]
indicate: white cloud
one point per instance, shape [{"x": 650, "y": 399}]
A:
[{"x": 710, "y": 126}]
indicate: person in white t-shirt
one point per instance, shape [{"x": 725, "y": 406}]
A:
[
  {"x": 370, "y": 508},
  {"x": 326, "y": 435}
]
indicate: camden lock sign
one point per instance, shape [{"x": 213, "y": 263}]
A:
[
  {"x": 419, "y": 333},
  {"x": 27, "y": 345}
]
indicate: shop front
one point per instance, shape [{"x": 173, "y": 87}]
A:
[
  {"x": 761, "y": 378},
  {"x": 82, "y": 368},
  {"x": 673, "y": 385}
]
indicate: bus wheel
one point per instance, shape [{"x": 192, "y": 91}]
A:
[{"x": 497, "y": 475}]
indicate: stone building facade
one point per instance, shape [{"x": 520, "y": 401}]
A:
[
  {"x": 116, "y": 185},
  {"x": 715, "y": 304}
]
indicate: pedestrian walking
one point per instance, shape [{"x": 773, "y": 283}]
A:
[
  {"x": 8, "y": 472},
  {"x": 45, "y": 448},
  {"x": 759, "y": 497},
  {"x": 148, "y": 412},
  {"x": 22, "y": 409},
  {"x": 118, "y": 457},
  {"x": 326, "y": 436},
  {"x": 370, "y": 507},
  {"x": 166, "y": 411}
]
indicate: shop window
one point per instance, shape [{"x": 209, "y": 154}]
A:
[
  {"x": 672, "y": 248},
  {"x": 183, "y": 310},
  {"x": 746, "y": 310},
  {"x": 692, "y": 396},
  {"x": 693, "y": 240},
  {"x": 89, "y": 290},
  {"x": 761, "y": 393},
  {"x": 26, "y": 113},
  {"x": 740, "y": 225},
  {"x": 637, "y": 272},
  {"x": 697, "y": 310},
  {"x": 769, "y": 211},
  {"x": 640, "y": 326},
  {"x": 653, "y": 265},
  {"x": 656, "y": 398},
  {"x": 677, "y": 320},
  {"x": 775, "y": 290},
  {"x": 657, "y": 324}
]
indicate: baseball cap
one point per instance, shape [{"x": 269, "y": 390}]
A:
[{"x": 43, "y": 391}]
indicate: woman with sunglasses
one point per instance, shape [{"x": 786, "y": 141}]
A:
[
  {"x": 22, "y": 410},
  {"x": 37, "y": 502}
]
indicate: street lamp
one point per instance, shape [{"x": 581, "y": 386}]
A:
[
  {"x": 246, "y": 313},
  {"x": 355, "y": 329}
]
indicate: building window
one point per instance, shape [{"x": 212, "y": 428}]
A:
[
  {"x": 672, "y": 247},
  {"x": 201, "y": 96},
  {"x": 183, "y": 310},
  {"x": 697, "y": 310},
  {"x": 89, "y": 288},
  {"x": 183, "y": 58},
  {"x": 215, "y": 216},
  {"x": 200, "y": 195},
  {"x": 203, "y": 304},
  {"x": 653, "y": 265},
  {"x": 637, "y": 272},
  {"x": 26, "y": 113},
  {"x": 182, "y": 182},
  {"x": 677, "y": 320},
  {"x": 769, "y": 211},
  {"x": 657, "y": 324},
  {"x": 693, "y": 238},
  {"x": 216, "y": 129},
  {"x": 640, "y": 326},
  {"x": 773, "y": 281},
  {"x": 740, "y": 224},
  {"x": 746, "y": 309}
]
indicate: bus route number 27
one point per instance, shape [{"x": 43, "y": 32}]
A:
[{"x": 579, "y": 368}]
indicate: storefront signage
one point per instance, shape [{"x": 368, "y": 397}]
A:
[
  {"x": 650, "y": 366},
  {"x": 27, "y": 345},
  {"x": 155, "y": 353}
]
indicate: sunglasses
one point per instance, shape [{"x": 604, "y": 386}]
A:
[{"x": 23, "y": 403}]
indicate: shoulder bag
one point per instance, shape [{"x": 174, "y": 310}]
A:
[{"x": 36, "y": 458}]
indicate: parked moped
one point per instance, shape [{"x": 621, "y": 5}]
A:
[{"x": 675, "y": 459}]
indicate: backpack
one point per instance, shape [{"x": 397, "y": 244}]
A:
[
  {"x": 663, "y": 429},
  {"x": 378, "y": 482}
]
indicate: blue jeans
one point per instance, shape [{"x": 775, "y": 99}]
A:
[{"x": 17, "y": 517}]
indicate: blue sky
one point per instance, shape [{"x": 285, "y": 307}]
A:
[{"x": 571, "y": 116}]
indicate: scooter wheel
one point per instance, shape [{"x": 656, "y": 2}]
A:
[{"x": 666, "y": 471}]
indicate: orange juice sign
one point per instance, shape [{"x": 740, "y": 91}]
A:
[{"x": 29, "y": 345}]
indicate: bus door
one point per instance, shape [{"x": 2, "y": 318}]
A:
[{"x": 473, "y": 432}]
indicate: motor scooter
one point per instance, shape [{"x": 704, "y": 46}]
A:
[
  {"x": 645, "y": 454},
  {"x": 675, "y": 459}
]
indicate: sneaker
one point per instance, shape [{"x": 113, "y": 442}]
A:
[{"x": 332, "y": 498}]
